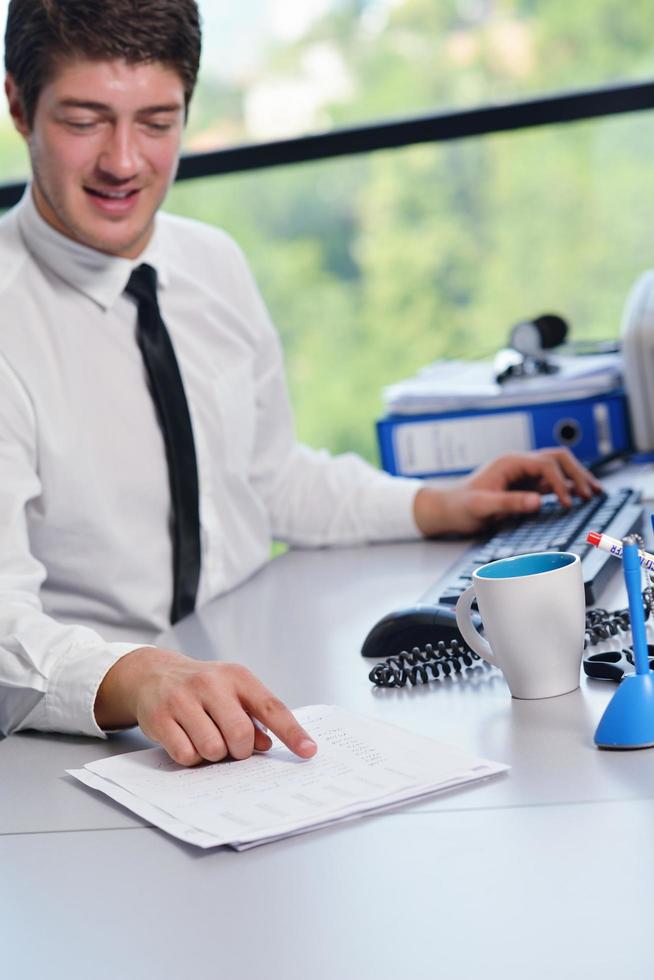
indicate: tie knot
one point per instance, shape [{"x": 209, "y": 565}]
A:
[{"x": 142, "y": 283}]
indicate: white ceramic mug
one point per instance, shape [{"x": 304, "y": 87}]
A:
[{"x": 534, "y": 615}]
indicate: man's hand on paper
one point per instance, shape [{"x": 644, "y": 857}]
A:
[
  {"x": 511, "y": 484},
  {"x": 196, "y": 710}
]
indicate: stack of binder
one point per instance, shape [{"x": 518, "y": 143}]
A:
[{"x": 453, "y": 416}]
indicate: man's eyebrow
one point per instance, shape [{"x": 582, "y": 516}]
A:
[
  {"x": 103, "y": 107},
  {"x": 170, "y": 107},
  {"x": 84, "y": 104}
]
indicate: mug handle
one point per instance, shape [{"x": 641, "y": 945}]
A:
[{"x": 472, "y": 637}]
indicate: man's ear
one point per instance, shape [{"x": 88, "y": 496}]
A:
[{"x": 16, "y": 107}]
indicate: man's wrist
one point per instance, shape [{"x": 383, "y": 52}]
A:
[
  {"x": 429, "y": 511},
  {"x": 117, "y": 696}
]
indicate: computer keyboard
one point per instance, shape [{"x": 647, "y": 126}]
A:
[{"x": 554, "y": 528}]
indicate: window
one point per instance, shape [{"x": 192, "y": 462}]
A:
[{"x": 375, "y": 265}]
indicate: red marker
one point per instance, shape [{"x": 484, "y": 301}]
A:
[{"x": 614, "y": 547}]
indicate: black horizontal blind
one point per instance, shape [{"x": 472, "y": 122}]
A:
[{"x": 391, "y": 134}]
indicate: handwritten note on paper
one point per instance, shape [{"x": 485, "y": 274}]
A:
[{"x": 361, "y": 765}]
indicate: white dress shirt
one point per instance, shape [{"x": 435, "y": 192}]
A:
[{"x": 85, "y": 546}]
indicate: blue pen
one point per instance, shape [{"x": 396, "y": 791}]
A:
[{"x": 631, "y": 566}]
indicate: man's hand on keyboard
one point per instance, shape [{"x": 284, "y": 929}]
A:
[{"x": 511, "y": 484}]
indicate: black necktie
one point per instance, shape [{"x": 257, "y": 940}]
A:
[{"x": 167, "y": 391}]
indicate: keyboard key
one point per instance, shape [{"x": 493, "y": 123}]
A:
[
  {"x": 450, "y": 597},
  {"x": 505, "y": 552},
  {"x": 466, "y": 571},
  {"x": 558, "y": 542}
]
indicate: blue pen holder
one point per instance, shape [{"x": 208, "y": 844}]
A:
[{"x": 628, "y": 722}]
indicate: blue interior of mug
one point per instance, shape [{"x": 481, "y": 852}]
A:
[{"x": 521, "y": 565}]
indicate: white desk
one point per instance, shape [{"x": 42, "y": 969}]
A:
[{"x": 545, "y": 871}]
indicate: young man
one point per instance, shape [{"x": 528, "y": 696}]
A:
[{"x": 128, "y": 451}]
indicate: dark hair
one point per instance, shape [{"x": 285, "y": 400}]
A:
[{"x": 41, "y": 33}]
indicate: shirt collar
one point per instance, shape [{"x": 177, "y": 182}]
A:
[{"x": 97, "y": 275}]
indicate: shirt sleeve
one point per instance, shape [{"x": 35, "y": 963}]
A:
[
  {"x": 312, "y": 497},
  {"x": 49, "y": 671}
]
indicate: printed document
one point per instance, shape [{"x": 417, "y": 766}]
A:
[
  {"x": 446, "y": 386},
  {"x": 362, "y": 765}
]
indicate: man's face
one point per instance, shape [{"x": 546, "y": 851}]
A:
[{"x": 104, "y": 147}]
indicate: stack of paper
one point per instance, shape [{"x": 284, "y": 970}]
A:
[
  {"x": 362, "y": 766},
  {"x": 456, "y": 385}
]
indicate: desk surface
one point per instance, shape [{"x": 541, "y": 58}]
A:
[{"x": 549, "y": 865}]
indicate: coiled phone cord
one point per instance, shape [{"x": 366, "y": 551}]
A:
[
  {"x": 601, "y": 624},
  {"x": 422, "y": 666}
]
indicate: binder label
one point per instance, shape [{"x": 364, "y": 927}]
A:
[
  {"x": 456, "y": 444},
  {"x": 603, "y": 429}
]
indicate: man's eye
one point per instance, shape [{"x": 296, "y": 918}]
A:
[
  {"x": 78, "y": 124},
  {"x": 156, "y": 127}
]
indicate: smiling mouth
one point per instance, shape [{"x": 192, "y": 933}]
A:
[{"x": 111, "y": 195}]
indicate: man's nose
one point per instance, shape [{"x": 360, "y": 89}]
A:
[{"x": 120, "y": 158}]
